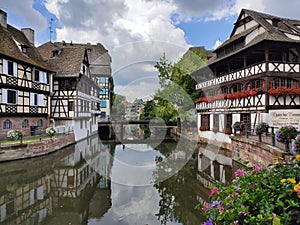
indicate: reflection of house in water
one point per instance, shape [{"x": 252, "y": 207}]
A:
[
  {"x": 67, "y": 187},
  {"x": 78, "y": 180},
  {"x": 25, "y": 193},
  {"x": 213, "y": 166}
]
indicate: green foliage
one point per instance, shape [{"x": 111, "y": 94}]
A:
[
  {"x": 258, "y": 196},
  {"x": 118, "y": 109},
  {"x": 164, "y": 68},
  {"x": 111, "y": 90},
  {"x": 286, "y": 133},
  {"x": 50, "y": 131}
]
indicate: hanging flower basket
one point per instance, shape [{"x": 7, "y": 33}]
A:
[{"x": 284, "y": 91}]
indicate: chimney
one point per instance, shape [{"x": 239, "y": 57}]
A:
[
  {"x": 3, "y": 19},
  {"x": 29, "y": 33}
]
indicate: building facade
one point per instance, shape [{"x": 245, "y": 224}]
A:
[
  {"x": 256, "y": 77},
  {"x": 25, "y": 82},
  {"x": 75, "y": 102}
]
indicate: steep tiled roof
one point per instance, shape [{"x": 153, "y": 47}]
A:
[
  {"x": 70, "y": 56},
  {"x": 273, "y": 33},
  {"x": 9, "y": 40},
  {"x": 67, "y": 63}
]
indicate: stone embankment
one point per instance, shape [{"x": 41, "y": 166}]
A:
[{"x": 35, "y": 149}]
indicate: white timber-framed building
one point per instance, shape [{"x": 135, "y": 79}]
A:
[{"x": 256, "y": 77}]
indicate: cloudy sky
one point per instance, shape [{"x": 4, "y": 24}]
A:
[{"x": 138, "y": 32}]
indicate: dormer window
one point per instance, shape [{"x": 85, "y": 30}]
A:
[
  {"x": 24, "y": 49},
  {"x": 275, "y": 22}
]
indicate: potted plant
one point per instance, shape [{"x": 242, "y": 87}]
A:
[
  {"x": 285, "y": 134},
  {"x": 203, "y": 128},
  {"x": 228, "y": 130},
  {"x": 238, "y": 126},
  {"x": 262, "y": 128}
]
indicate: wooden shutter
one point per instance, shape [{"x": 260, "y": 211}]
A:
[
  {"x": 31, "y": 99},
  {"x": 4, "y": 95},
  {"x": 15, "y": 69},
  {"x": 5, "y": 67},
  {"x": 40, "y": 100}
]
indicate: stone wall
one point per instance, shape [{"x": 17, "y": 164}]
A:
[
  {"x": 22, "y": 151},
  {"x": 257, "y": 153}
]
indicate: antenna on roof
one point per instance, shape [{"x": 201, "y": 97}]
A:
[{"x": 50, "y": 28}]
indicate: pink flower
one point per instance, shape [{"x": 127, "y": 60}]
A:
[
  {"x": 240, "y": 173},
  {"x": 236, "y": 222},
  {"x": 257, "y": 168},
  {"x": 242, "y": 213},
  {"x": 214, "y": 190}
]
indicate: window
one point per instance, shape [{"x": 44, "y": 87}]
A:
[
  {"x": 103, "y": 91},
  {"x": 36, "y": 99},
  {"x": 246, "y": 119},
  {"x": 24, "y": 49},
  {"x": 40, "y": 123},
  {"x": 228, "y": 120},
  {"x": 36, "y": 76},
  {"x": 25, "y": 123},
  {"x": 71, "y": 106},
  {"x": 10, "y": 68},
  {"x": 7, "y": 124},
  {"x": 9, "y": 96},
  {"x": 103, "y": 104},
  {"x": 216, "y": 121},
  {"x": 102, "y": 79},
  {"x": 205, "y": 122}
]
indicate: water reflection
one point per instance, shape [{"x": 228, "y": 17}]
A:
[{"x": 94, "y": 183}]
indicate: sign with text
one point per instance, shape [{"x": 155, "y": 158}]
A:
[{"x": 281, "y": 118}]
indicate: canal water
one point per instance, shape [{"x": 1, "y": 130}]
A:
[{"x": 111, "y": 184}]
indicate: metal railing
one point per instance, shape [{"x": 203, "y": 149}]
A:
[{"x": 267, "y": 137}]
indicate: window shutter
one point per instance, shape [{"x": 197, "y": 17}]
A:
[
  {"x": 15, "y": 69},
  {"x": 5, "y": 68},
  {"x": 4, "y": 95},
  {"x": 17, "y": 97},
  {"x": 33, "y": 74},
  {"x": 31, "y": 99},
  {"x": 40, "y": 100},
  {"x": 42, "y": 77}
]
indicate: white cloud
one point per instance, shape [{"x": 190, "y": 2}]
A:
[
  {"x": 217, "y": 44},
  {"x": 21, "y": 16}
]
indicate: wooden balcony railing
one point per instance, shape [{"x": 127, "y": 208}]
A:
[{"x": 254, "y": 69}]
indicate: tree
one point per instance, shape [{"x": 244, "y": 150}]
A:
[{"x": 118, "y": 108}]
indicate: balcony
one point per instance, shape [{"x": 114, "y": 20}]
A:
[{"x": 254, "y": 69}]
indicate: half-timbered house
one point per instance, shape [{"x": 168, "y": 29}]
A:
[
  {"x": 75, "y": 102},
  {"x": 256, "y": 77},
  {"x": 24, "y": 82}
]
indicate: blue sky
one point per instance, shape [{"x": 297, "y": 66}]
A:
[{"x": 138, "y": 32}]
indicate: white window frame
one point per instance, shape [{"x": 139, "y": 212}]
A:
[
  {"x": 5, "y": 96},
  {"x": 5, "y": 68},
  {"x": 40, "y": 99}
]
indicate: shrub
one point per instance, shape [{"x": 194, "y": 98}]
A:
[
  {"x": 257, "y": 196},
  {"x": 50, "y": 131},
  {"x": 15, "y": 134}
]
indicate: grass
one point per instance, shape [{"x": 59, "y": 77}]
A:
[{"x": 29, "y": 139}]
